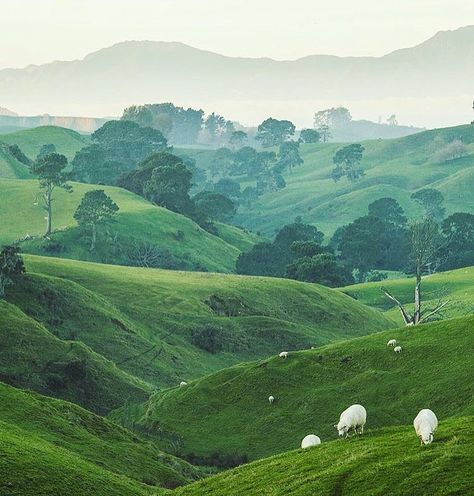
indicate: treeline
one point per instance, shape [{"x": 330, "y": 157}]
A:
[{"x": 382, "y": 240}]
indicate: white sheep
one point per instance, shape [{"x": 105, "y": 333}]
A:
[
  {"x": 310, "y": 440},
  {"x": 283, "y": 354},
  {"x": 425, "y": 424},
  {"x": 271, "y": 399},
  {"x": 397, "y": 349},
  {"x": 353, "y": 418},
  {"x": 392, "y": 342},
  {"x": 182, "y": 384}
]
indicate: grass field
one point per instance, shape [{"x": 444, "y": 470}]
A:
[
  {"x": 143, "y": 319},
  {"x": 10, "y": 167},
  {"x": 228, "y": 412},
  {"x": 51, "y": 447},
  {"x": 457, "y": 286},
  {"x": 138, "y": 221},
  {"x": 30, "y": 141},
  {"x": 383, "y": 461},
  {"x": 393, "y": 168}
]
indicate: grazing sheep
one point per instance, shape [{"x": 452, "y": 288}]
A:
[
  {"x": 271, "y": 399},
  {"x": 425, "y": 424},
  {"x": 182, "y": 384},
  {"x": 283, "y": 354},
  {"x": 397, "y": 349},
  {"x": 392, "y": 342},
  {"x": 353, "y": 418},
  {"x": 310, "y": 440}
]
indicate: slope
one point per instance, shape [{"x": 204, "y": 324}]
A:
[
  {"x": 54, "y": 447},
  {"x": 385, "y": 461},
  {"x": 229, "y": 413},
  {"x": 178, "y": 241},
  {"x": 457, "y": 286},
  {"x": 30, "y": 141},
  {"x": 33, "y": 358},
  {"x": 395, "y": 168},
  {"x": 146, "y": 320}
]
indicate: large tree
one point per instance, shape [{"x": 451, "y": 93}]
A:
[
  {"x": 426, "y": 245},
  {"x": 432, "y": 202},
  {"x": 50, "y": 173},
  {"x": 309, "y": 136},
  {"x": 95, "y": 209},
  {"x": 347, "y": 162},
  {"x": 11, "y": 267},
  {"x": 388, "y": 210},
  {"x": 335, "y": 117},
  {"x": 458, "y": 230},
  {"x": 288, "y": 156},
  {"x": 217, "y": 206},
  {"x": 273, "y": 132},
  {"x": 237, "y": 138}
]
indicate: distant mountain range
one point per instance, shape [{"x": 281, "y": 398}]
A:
[{"x": 429, "y": 84}]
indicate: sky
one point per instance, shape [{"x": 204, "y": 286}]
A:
[{"x": 40, "y": 31}]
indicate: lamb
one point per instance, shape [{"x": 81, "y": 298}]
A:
[
  {"x": 425, "y": 424},
  {"x": 397, "y": 349},
  {"x": 271, "y": 399},
  {"x": 283, "y": 354},
  {"x": 353, "y": 418},
  {"x": 310, "y": 440},
  {"x": 392, "y": 342},
  {"x": 182, "y": 384}
]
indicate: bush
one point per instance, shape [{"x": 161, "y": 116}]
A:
[
  {"x": 208, "y": 337},
  {"x": 453, "y": 150}
]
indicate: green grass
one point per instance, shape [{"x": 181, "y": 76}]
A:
[
  {"x": 228, "y": 412},
  {"x": 32, "y": 357},
  {"x": 10, "y": 167},
  {"x": 457, "y": 286},
  {"x": 393, "y": 168},
  {"x": 137, "y": 221},
  {"x": 30, "y": 141},
  {"x": 142, "y": 319},
  {"x": 384, "y": 461},
  {"x": 52, "y": 447}
]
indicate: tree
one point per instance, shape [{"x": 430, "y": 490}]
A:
[
  {"x": 50, "y": 172},
  {"x": 388, "y": 210},
  {"x": 325, "y": 133},
  {"x": 222, "y": 162},
  {"x": 95, "y": 209},
  {"x": 217, "y": 206},
  {"x": 335, "y": 117},
  {"x": 392, "y": 120},
  {"x": 227, "y": 187},
  {"x": 11, "y": 267},
  {"x": 347, "y": 160},
  {"x": 432, "y": 202},
  {"x": 426, "y": 246},
  {"x": 216, "y": 126},
  {"x": 458, "y": 231},
  {"x": 288, "y": 156},
  {"x": 451, "y": 151},
  {"x": 322, "y": 269},
  {"x": 237, "y": 138},
  {"x": 273, "y": 132},
  {"x": 46, "y": 150},
  {"x": 309, "y": 136}
]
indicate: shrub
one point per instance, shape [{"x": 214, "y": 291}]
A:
[{"x": 208, "y": 337}]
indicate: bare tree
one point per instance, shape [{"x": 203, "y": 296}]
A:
[{"x": 425, "y": 243}]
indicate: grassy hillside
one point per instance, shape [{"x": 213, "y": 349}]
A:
[
  {"x": 33, "y": 358},
  {"x": 385, "y": 461},
  {"x": 138, "y": 221},
  {"x": 143, "y": 319},
  {"x": 229, "y": 413},
  {"x": 53, "y": 447},
  {"x": 10, "y": 167},
  {"x": 393, "y": 168},
  {"x": 30, "y": 141},
  {"x": 457, "y": 286}
]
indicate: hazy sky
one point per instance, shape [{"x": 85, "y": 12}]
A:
[{"x": 38, "y": 31}]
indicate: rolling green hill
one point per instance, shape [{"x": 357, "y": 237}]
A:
[
  {"x": 457, "y": 286},
  {"x": 179, "y": 240},
  {"x": 393, "y": 168},
  {"x": 228, "y": 412},
  {"x": 30, "y": 141},
  {"x": 10, "y": 167},
  {"x": 32, "y": 357},
  {"x": 143, "y": 320},
  {"x": 385, "y": 461},
  {"x": 51, "y": 447}
]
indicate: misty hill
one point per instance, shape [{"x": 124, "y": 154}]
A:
[{"x": 147, "y": 71}]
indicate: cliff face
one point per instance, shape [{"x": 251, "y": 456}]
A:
[{"x": 80, "y": 124}]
